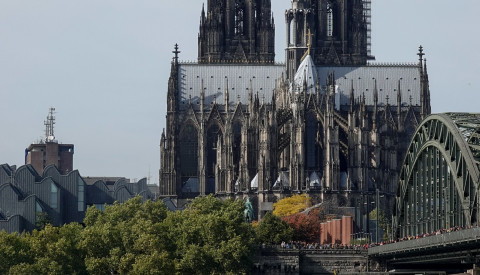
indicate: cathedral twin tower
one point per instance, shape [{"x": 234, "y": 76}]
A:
[
  {"x": 325, "y": 123},
  {"x": 237, "y": 31},
  {"x": 244, "y": 31}
]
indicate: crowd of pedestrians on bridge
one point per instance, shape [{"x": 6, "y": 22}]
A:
[
  {"x": 423, "y": 235},
  {"x": 318, "y": 246}
]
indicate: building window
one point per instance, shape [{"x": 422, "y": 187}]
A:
[
  {"x": 53, "y": 196},
  {"x": 38, "y": 207},
  {"x": 237, "y": 146},
  {"x": 188, "y": 148},
  {"x": 81, "y": 195},
  {"x": 311, "y": 147},
  {"x": 329, "y": 20},
  {"x": 239, "y": 17},
  {"x": 213, "y": 135}
]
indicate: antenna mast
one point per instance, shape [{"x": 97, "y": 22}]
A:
[{"x": 49, "y": 125}]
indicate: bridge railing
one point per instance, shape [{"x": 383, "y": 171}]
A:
[
  {"x": 445, "y": 239},
  {"x": 317, "y": 250}
]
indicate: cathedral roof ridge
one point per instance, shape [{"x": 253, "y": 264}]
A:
[
  {"x": 392, "y": 64},
  {"x": 226, "y": 63}
]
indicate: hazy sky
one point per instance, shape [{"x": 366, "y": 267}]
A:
[{"x": 104, "y": 66}]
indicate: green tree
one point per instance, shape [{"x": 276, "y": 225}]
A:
[
  {"x": 383, "y": 222},
  {"x": 272, "y": 230},
  {"x": 42, "y": 219},
  {"x": 24, "y": 268},
  {"x": 211, "y": 237},
  {"x": 55, "y": 251},
  {"x": 117, "y": 240},
  {"x": 14, "y": 250}
]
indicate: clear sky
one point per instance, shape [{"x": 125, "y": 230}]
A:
[{"x": 104, "y": 66}]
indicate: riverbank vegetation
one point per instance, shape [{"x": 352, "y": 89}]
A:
[{"x": 210, "y": 237}]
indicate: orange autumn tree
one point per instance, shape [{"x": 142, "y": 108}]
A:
[
  {"x": 306, "y": 226},
  {"x": 291, "y": 205}
]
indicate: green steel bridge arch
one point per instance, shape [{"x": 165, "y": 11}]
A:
[{"x": 439, "y": 185}]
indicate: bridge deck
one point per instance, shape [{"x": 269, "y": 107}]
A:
[{"x": 462, "y": 241}]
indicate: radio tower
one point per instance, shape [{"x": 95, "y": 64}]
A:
[{"x": 49, "y": 124}]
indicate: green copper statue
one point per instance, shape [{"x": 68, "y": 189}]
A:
[{"x": 248, "y": 212}]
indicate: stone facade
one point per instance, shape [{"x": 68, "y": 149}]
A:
[
  {"x": 237, "y": 31},
  {"x": 320, "y": 261},
  {"x": 336, "y": 129}
]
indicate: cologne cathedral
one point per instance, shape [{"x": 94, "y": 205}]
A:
[{"x": 329, "y": 122}]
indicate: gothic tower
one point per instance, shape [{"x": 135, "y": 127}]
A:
[
  {"x": 326, "y": 124},
  {"x": 237, "y": 31},
  {"x": 334, "y": 32}
]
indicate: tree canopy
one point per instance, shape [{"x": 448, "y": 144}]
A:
[
  {"x": 291, "y": 205},
  {"x": 210, "y": 237},
  {"x": 273, "y": 230},
  {"x": 306, "y": 226},
  {"x": 384, "y": 222}
]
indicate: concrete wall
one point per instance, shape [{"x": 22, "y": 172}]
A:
[{"x": 321, "y": 261}]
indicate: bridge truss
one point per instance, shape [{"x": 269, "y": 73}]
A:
[{"x": 439, "y": 179}]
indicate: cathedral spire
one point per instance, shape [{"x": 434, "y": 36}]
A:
[
  {"x": 202, "y": 17},
  {"x": 162, "y": 140},
  {"x": 364, "y": 106},
  {"x": 227, "y": 97},
  {"x": 399, "y": 94},
  {"x": 250, "y": 97},
  {"x": 352, "y": 102},
  {"x": 420, "y": 56},
  {"x": 176, "y": 52},
  {"x": 375, "y": 106},
  {"x": 399, "y": 105},
  {"x": 202, "y": 98}
]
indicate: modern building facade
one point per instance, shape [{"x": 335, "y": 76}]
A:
[
  {"x": 328, "y": 123},
  {"x": 48, "y": 190},
  {"x": 28, "y": 198}
]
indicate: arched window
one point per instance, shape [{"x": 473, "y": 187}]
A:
[
  {"x": 237, "y": 143},
  {"x": 291, "y": 32},
  {"x": 311, "y": 147},
  {"x": 329, "y": 20},
  {"x": 214, "y": 134},
  {"x": 53, "y": 196},
  {"x": 239, "y": 17},
  {"x": 189, "y": 152}
]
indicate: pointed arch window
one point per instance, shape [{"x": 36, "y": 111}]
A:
[
  {"x": 189, "y": 151},
  {"x": 239, "y": 17},
  {"x": 311, "y": 146},
  {"x": 237, "y": 144},
  {"x": 329, "y": 20},
  {"x": 53, "y": 196},
  {"x": 213, "y": 135}
]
